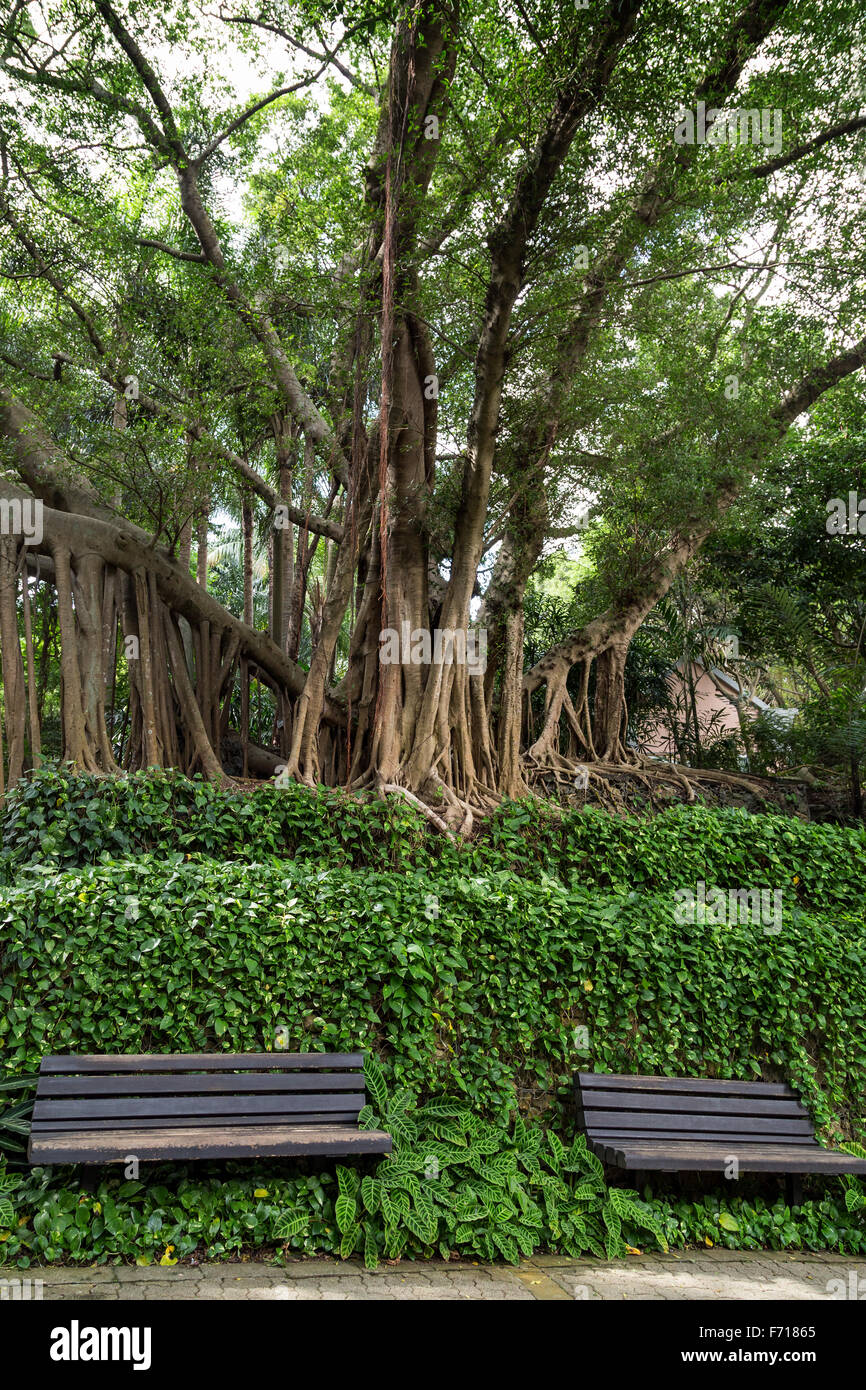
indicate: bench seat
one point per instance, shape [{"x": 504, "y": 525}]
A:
[
  {"x": 685, "y": 1156},
  {"x": 696, "y": 1124},
  {"x": 107, "y": 1109}
]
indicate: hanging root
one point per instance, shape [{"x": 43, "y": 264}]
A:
[
  {"x": 752, "y": 785},
  {"x": 602, "y": 775},
  {"x": 392, "y": 789}
]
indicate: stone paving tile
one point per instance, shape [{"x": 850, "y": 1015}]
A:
[
  {"x": 728, "y": 1280},
  {"x": 701, "y": 1275},
  {"x": 314, "y": 1269},
  {"x": 77, "y": 1274},
  {"x": 85, "y": 1293}
]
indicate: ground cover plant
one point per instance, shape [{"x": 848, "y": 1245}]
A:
[
  {"x": 65, "y": 819},
  {"x": 481, "y": 977}
]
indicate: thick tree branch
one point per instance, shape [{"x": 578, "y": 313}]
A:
[
  {"x": 835, "y": 132},
  {"x": 625, "y": 615}
]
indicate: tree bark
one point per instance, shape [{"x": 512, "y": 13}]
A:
[{"x": 13, "y": 666}]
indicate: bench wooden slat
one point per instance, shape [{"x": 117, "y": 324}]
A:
[
  {"x": 758, "y": 1124},
  {"x": 313, "y": 1117},
  {"x": 184, "y": 1143},
  {"x": 691, "y": 1105},
  {"x": 690, "y": 1085},
  {"x": 193, "y": 1105},
  {"x": 606, "y": 1136},
  {"x": 229, "y": 1083},
  {"x": 200, "y": 1061},
  {"x": 751, "y": 1158}
]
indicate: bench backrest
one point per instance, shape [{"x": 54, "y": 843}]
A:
[
  {"x": 88, "y": 1092},
  {"x": 696, "y": 1108}
]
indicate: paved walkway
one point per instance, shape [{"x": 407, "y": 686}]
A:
[{"x": 711, "y": 1274}]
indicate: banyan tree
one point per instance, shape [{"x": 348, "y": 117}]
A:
[{"x": 420, "y": 289}]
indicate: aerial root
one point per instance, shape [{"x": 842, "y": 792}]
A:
[{"x": 392, "y": 789}]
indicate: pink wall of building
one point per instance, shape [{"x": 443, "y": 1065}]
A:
[{"x": 709, "y": 702}]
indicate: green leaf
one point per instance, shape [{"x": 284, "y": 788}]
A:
[
  {"x": 375, "y": 1082},
  {"x": 371, "y": 1193},
  {"x": 346, "y": 1209},
  {"x": 289, "y": 1226},
  {"x": 557, "y": 1150},
  {"x": 419, "y": 1227},
  {"x": 349, "y": 1241},
  {"x": 348, "y": 1181},
  {"x": 371, "y": 1250},
  {"x": 507, "y": 1245}
]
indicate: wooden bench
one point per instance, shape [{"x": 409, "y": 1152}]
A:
[
  {"x": 108, "y": 1109},
  {"x": 681, "y": 1124}
]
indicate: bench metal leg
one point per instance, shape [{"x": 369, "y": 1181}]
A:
[{"x": 794, "y": 1189}]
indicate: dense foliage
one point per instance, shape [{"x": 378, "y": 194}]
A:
[
  {"x": 157, "y": 914},
  {"x": 474, "y": 983},
  {"x": 223, "y": 1212},
  {"x": 70, "y": 821},
  {"x": 467, "y": 968},
  {"x": 322, "y": 319}
]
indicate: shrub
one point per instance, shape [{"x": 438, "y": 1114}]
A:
[
  {"x": 472, "y": 985},
  {"x": 155, "y": 913},
  {"x": 455, "y": 1182},
  {"x": 56, "y": 818}
]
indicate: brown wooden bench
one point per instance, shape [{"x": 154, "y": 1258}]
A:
[
  {"x": 681, "y": 1124},
  {"x": 108, "y": 1109}
]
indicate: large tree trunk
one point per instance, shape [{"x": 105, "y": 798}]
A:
[
  {"x": 609, "y": 715},
  {"x": 283, "y": 539},
  {"x": 247, "y": 535},
  {"x": 13, "y": 666},
  {"x": 577, "y": 97},
  {"x": 201, "y": 535},
  {"x": 32, "y": 694},
  {"x": 422, "y": 62}
]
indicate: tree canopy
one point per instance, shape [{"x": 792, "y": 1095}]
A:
[{"x": 395, "y": 300}]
